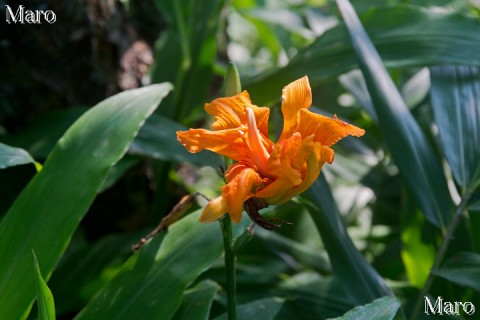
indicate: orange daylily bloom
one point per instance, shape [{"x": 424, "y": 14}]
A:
[{"x": 274, "y": 172}]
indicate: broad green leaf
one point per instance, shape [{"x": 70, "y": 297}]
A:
[
  {"x": 265, "y": 309},
  {"x": 47, "y": 212},
  {"x": 417, "y": 254},
  {"x": 45, "y": 304},
  {"x": 381, "y": 309},
  {"x": 157, "y": 139},
  {"x": 415, "y": 158},
  {"x": 82, "y": 273},
  {"x": 462, "y": 269},
  {"x": 11, "y": 156},
  {"x": 151, "y": 284},
  {"x": 362, "y": 283},
  {"x": 404, "y": 35},
  {"x": 197, "y": 301},
  {"x": 455, "y": 97}
]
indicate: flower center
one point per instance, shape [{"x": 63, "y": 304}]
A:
[{"x": 254, "y": 141}]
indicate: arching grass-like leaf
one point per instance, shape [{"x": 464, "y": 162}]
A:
[
  {"x": 46, "y": 306},
  {"x": 415, "y": 158},
  {"x": 381, "y": 309},
  {"x": 47, "y": 212},
  {"x": 404, "y": 35},
  {"x": 455, "y": 96}
]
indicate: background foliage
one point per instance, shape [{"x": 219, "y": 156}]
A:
[{"x": 392, "y": 220}]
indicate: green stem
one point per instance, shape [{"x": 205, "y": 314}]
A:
[
  {"x": 226, "y": 225},
  {"x": 441, "y": 253}
]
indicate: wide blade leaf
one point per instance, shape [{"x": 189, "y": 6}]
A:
[
  {"x": 381, "y": 309},
  {"x": 415, "y": 158},
  {"x": 455, "y": 98},
  {"x": 151, "y": 284},
  {"x": 361, "y": 282},
  {"x": 46, "y": 306},
  {"x": 404, "y": 35},
  {"x": 11, "y": 156},
  {"x": 47, "y": 212},
  {"x": 462, "y": 269}
]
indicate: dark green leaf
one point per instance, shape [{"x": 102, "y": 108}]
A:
[
  {"x": 362, "y": 283},
  {"x": 46, "y": 306},
  {"x": 415, "y": 158},
  {"x": 381, "y": 309},
  {"x": 197, "y": 301},
  {"x": 10, "y": 156},
  {"x": 151, "y": 284},
  {"x": 46, "y": 213},
  {"x": 157, "y": 139},
  {"x": 404, "y": 36},
  {"x": 462, "y": 269},
  {"x": 456, "y": 106}
]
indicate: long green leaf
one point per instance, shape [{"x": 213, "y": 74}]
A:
[
  {"x": 463, "y": 269},
  {"x": 404, "y": 35},
  {"x": 46, "y": 306},
  {"x": 381, "y": 309},
  {"x": 11, "y": 156},
  {"x": 415, "y": 158},
  {"x": 47, "y": 212},
  {"x": 150, "y": 285},
  {"x": 361, "y": 282},
  {"x": 455, "y": 98},
  {"x": 197, "y": 301}
]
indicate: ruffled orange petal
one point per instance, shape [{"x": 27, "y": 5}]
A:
[
  {"x": 326, "y": 130},
  {"x": 240, "y": 188},
  {"x": 295, "y": 96},
  {"x": 229, "y": 112},
  {"x": 228, "y": 142}
]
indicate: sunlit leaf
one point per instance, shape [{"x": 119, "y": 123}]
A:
[
  {"x": 417, "y": 254},
  {"x": 47, "y": 212}
]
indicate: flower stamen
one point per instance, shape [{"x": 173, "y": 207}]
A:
[{"x": 260, "y": 155}]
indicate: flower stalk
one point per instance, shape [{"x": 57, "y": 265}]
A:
[{"x": 226, "y": 225}]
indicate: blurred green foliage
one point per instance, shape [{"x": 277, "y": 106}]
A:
[{"x": 395, "y": 214}]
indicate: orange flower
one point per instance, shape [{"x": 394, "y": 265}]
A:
[{"x": 274, "y": 172}]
